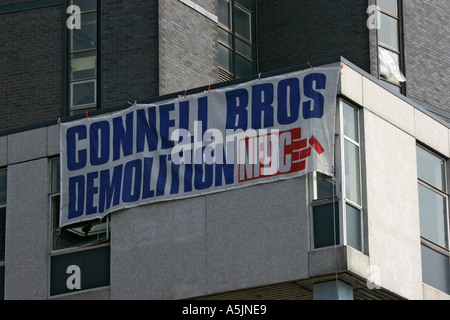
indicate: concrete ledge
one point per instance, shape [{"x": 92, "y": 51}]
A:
[{"x": 327, "y": 261}]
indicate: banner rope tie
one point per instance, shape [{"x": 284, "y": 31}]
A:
[
  {"x": 183, "y": 95},
  {"x": 345, "y": 63}
]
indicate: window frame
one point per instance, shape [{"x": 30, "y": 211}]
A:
[
  {"x": 2, "y": 261},
  {"x": 400, "y": 87},
  {"x": 339, "y": 192},
  {"x": 52, "y": 252},
  {"x": 3, "y": 206},
  {"x": 424, "y": 242},
  {"x": 231, "y": 32},
  {"x": 75, "y": 109},
  {"x": 82, "y": 106},
  {"x": 444, "y": 194},
  {"x": 345, "y": 199}
]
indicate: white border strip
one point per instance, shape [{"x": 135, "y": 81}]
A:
[{"x": 200, "y": 10}]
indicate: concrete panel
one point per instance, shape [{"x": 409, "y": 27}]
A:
[
  {"x": 158, "y": 251},
  {"x": 430, "y": 293},
  {"x": 357, "y": 262},
  {"x": 27, "y": 145},
  {"x": 52, "y": 141},
  {"x": 26, "y": 231},
  {"x": 102, "y": 294},
  {"x": 389, "y": 107},
  {"x": 350, "y": 85},
  {"x": 257, "y": 235},
  {"x": 3, "y": 151},
  {"x": 325, "y": 261},
  {"x": 392, "y": 206},
  {"x": 432, "y": 133}
]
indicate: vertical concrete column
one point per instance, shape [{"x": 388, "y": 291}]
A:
[
  {"x": 332, "y": 290},
  {"x": 26, "y": 231}
]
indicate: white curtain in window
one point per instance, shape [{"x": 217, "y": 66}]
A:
[{"x": 389, "y": 67}]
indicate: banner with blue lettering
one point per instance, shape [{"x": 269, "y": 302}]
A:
[{"x": 255, "y": 132}]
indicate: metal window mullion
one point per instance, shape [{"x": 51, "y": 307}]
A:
[
  {"x": 340, "y": 177},
  {"x": 233, "y": 39},
  {"x": 432, "y": 188},
  {"x": 388, "y": 13},
  {"x": 82, "y": 51},
  {"x": 344, "y": 198},
  {"x": 91, "y": 246},
  {"x": 433, "y": 246},
  {"x": 387, "y": 47},
  {"x": 446, "y": 213},
  {"x": 82, "y": 106}
]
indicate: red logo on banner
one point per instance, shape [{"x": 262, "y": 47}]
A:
[{"x": 275, "y": 154}]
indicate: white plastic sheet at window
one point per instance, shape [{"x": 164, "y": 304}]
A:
[{"x": 389, "y": 66}]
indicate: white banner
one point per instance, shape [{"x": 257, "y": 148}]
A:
[{"x": 255, "y": 132}]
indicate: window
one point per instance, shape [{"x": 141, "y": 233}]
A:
[
  {"x": 337, "y": 215},
  {"x": 83, "y": 54},
  {"x": 236, "y": 39},
  {"x": 2, "y": 230},
  {"x": 434, "y": 224},
  {"x": 83, "y": 244},
  {"x": 389, "y": 44}
]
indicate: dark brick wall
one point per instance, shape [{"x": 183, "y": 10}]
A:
[
  {"x": 188, "y": 46},
  {"x": 292, "y": 32},
  {"x": 427, "y": 47},
  {"x": 30, "y": 67},
  {"x": 12, "y": 2},
  {"x": 129, "y": 51}
]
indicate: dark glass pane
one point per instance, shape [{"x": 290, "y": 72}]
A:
[
  {"x": 55, "y": 175},
  {"x": 388, "y": 5},
  {"x": 225, "y": 58},
  {"x": 85, "y": 37},
  {"x": 432, "y": 209},
  {"x": 224, "y": 8},
  {"x": 388, "y": 33},
  {"x": 2, "y": 283},
  {"x": 247, "y": 4},
  {"x": 225, "y": 38},
  {"x": 431, "y": 169},
  {"x": 351, "y": 122},
  {"x": 242, "y": 23},
  {"x": 354, "y": 234},
  {"x": 79, "y": 234},
  {"x": 243, "y": 67},
  {"x": 325, "y": 186},
  {"x": 435, "y": 269},
  {"x": 2, "y": 186},
  {"x": 2, "y": 233},
  {"x": 326, "y": 226},
  {"x": 83, "y": 93},
  {"x": 244, "y": 48},
  {"x": 94, "y": 268},
  {"x": 352, "y": 174},
  {"x": 83, "y": 65},
  {"x": 86, "y": 5}
]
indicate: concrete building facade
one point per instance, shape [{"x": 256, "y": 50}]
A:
[{"x": 378, "y": 229}]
